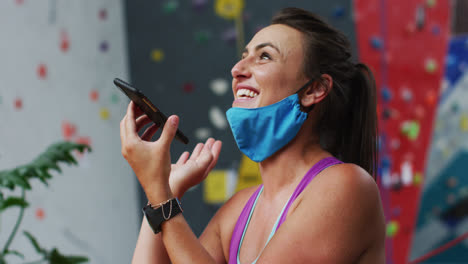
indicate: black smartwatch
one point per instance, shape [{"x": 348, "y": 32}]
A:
[{"x": 163, "y": 212}]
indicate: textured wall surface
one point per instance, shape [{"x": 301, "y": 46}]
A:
[{"x": 58, "y": 59}]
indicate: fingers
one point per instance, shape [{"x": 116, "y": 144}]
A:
[
  {"x": 183, "y": 158},
  {"x": 142, "y": 121},
  {"x": 215, "y": 150},
  {"x": 129, "y": 121},
  {"x": 196, "y": 151},
  {"x": 169, "y": 130},
  {"x": 149, "y": 132}
]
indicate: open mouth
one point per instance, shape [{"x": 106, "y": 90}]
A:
[{"x": 246, "y": 94}]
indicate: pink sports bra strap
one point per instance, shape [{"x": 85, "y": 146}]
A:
[
  {"x": 310, "y": 175},
  {"x": 239, "y": 228},
  {"x": 242, "y": 220}
]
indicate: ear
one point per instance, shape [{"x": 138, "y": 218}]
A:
[{"x": 317, "y": 91}]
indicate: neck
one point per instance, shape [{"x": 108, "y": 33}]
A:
[{"x": 283, "y": 171}]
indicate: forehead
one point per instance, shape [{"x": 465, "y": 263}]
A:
[{"x": 285, "y": 38}]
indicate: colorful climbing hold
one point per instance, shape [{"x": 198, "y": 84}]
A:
[
  {"x": 104, "y": 113},
  {"x": 219, "y": 86},
  {"x": 18, "y": 103},
  {"x": 376, "y": 43},
  {"x": 104, "y": 46},
  {"x": 338, "y": 12},
  {"x": 431, "y": 3},
  {"x": 170, "y": 6},
  {"x": 464, "y": 123},
  {"x": 406, "y": 94},
  {"x": 115, "y": 98},
  {"x": 188, "y": 87},
  {"x": 64, "y": 41},
  {"x": 420, "y": 17},
  {"x": 199, "y": 5},
  {"x": 229, "y": 35},
  {"x": 42, "y": 71},
  {"x": 102, "y": 14},
  {"x": 202, "y": 36},
  {"x": 94, "y": 95},
  {"x": 157, "y": 55},
  {"x": 392, "y": 228},
  {"x": 68, "y": 130},
  {"x": 386, "y": 94},
  {"x": 229, "y": 9},
  {"x": 431, "y": 98},
  {"x": 417, "y": 180},
  {"x": 430, "y": 65},
  {"x": 40, "y": 214},
  {"x": 410, "y": 129}
]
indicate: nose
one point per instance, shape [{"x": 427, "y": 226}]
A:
[{"x": 241, "y": 69}]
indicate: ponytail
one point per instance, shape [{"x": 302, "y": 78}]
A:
[
  {"x": 360, "y": 138},
  {"x": 347, "y": 119}
]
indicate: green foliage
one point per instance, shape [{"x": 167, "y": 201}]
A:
[
  {"x": 54, "y": 256},
  {"x": 20, "y": 177}
]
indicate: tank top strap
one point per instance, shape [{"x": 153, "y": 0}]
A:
[
  {"x": 310, "y": 175},
  {"x": 240, "y": 225}
]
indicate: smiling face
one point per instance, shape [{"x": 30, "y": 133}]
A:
[{"x": 271, "y": 67}]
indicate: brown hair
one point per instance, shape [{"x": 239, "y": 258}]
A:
[{"x": 347, "y": 118}]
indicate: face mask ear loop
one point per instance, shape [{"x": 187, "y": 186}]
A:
[{"x": 308, "y": 109}]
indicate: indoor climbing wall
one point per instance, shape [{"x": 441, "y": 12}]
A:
[
  {"x": 405, "y": 43},
  {"x": 444, "y": 204},
  {"x": 181, "y": 54},
  {"x": 58, "y": 60}
]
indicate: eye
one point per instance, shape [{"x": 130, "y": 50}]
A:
[{"x": 265, "y": 56}]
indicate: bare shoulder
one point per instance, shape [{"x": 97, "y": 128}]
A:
[
  {"x": 339, "y": 213},
  {"x": 347, "y": 191}
]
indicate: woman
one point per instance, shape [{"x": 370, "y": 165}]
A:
[{"x": 299, "y": 103}]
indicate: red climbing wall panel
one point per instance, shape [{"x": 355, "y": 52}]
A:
[{"x": 405, "y": 44}]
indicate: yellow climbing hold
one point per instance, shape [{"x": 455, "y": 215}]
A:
[
  {"x": 229, "y": 9},
  {"x": 157, "y": 55},
  {"x": 104, "y": 113},
  {"x": 464, "y": 123}
]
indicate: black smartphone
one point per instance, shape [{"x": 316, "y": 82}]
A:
[{"x": 147, "y": 107}]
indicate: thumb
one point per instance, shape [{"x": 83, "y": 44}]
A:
[{"x": 169, "y": 130}]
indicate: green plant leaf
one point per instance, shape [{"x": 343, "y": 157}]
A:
[
  {"x": 39, "y": 167},
  {"x": 14, "y": 252},
  {"x": 13, "y": 201},
  {"x": 13, "y": 178},
  {"x": 35, "y": 244},
  {"x": 55, "y": 257}
]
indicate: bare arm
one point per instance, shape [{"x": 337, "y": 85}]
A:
[
  {"x": 149, "y": 247},
  {"x": 188, "y": 171}
]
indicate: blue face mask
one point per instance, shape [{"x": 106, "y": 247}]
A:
[{"x": 260, "y": 132}]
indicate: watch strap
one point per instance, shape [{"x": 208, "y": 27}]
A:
[{"x": 156, "y": 216}]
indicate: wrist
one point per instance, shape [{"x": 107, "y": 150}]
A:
[{"x": 159, "y": 194}]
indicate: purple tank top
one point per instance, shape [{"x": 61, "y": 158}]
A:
[{"x": 242, "y": 220}]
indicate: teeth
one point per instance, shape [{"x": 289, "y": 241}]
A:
[{"x": 246, "y": 93}]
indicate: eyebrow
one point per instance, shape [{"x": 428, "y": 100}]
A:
[{"x": 262, "y": 45}]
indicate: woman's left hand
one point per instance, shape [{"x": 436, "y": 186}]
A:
[{"x": 151, "y": 161}]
